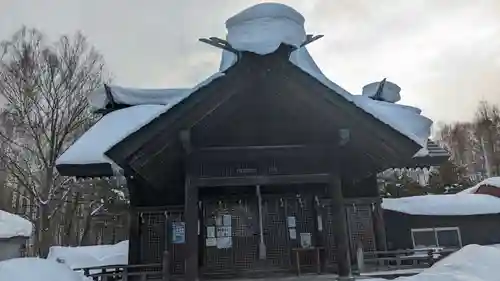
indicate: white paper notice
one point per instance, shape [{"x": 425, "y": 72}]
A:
[
  {"x": 224, "y": 231},
  {"x": 211, "y": 231},
  {"x": 305, "y": 240},
  {"x": 224, "y": 242},
  {"x": 320, "y": 223},
  {"x": 211, "y": 242},
  {"x": 226, "y": 220},
  {"x": 290, "y": 221},
  {"x": 293, "y": 233}
]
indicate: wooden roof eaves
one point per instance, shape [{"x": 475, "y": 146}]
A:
[
  {"x": 85, "y": 170},
  {"x": 336, "y": 98}
]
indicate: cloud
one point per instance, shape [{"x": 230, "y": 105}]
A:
[{"x": 444, "y": 54}]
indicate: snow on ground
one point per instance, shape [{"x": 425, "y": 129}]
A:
[
  {"x": 35, "y": 269},
  {"x": 13, "y": 225},
  {"x": 444, "y": 205},
  {"x": 91, "y": 256},
  {"x": 493, "y": 181},
  {"x": 471, "y": 263}
]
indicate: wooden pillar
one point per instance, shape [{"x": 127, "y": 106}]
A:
[
  {"x": 379, "y": 225},
  {"x": 134, "y": 256},
  {"x": 191, "y": 218},
  {"x": 340, "y": 227}
]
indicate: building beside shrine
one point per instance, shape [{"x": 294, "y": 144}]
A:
[
  {"x": 446, "y": 220},
  {"x": 15, "y": 232},
  {"x": 264, "y": 159}
]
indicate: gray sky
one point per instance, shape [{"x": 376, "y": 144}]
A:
[{"x": 445, "y": 54}]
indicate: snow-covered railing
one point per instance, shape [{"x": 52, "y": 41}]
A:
[
  {"x": 376, "y": 261},
  {"x": 139, "y": 272}
]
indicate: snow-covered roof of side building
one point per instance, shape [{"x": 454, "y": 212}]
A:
[
  {"x": 14, "y": 226},
  {"x": 444, "y": 205},
  {"x": 493, "y": 181},
  {"x": 260, "y": 29}
]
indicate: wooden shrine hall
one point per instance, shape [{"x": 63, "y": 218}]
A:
[{"x": 259, "y": 166}]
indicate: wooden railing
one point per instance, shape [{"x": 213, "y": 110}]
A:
[
  {"x": 399, "y": 260},
  {"x": 142, "y": 272}
]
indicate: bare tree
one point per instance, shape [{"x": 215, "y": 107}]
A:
[
  {"x": 45, "y": 85},
  {"x": 487, "y": 125}
]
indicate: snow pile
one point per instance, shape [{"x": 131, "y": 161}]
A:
[
  {"x": 262, "y": 28},
  {"x": 444, "y": 205},
  {"x": 91, "y": 256},
  {"x": 473, "y": 262},
  {"x": 493, "y": 181},
  {"x": 390, "y": 91},
  {"x": 13, "y": 226},
  {"x": 34, "y": 269}
]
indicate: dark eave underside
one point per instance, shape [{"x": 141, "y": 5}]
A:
[{"x": 85, "y": 170}]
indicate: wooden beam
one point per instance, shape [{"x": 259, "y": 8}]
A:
[
  {"x": 340, "y": 228},
  {"x": 379, "y": 227},
  {"x": 134, "y": 250},
  {"x": 191, "y": 219},
  {"x": 261, "y": 180}
]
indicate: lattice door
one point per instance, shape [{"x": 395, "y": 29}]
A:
[
  {"x": 360, "y": 223},
  {"x": 242, "y": 254},
  {"x": 152, "y": 236},
  {"x": 276, "y": 233},
  {"x": 329, "y": 234}
]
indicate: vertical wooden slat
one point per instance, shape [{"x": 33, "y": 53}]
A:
[
  {"x": 191, "y": 217},
  {"x": 340, "y": 231},
  {"x": 379, "y": 225}
]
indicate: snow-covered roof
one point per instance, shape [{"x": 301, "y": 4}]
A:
[
  {"x": 36, "y": 269},
  {"x": 260, "y": 29},
  {"x": 112, "y": 128},
  {"x": 108, "y": 131},
  {"x": 14, "y": 226},
  {"x": 444, "y": 205},
  {"x": 493, "y": 181}
]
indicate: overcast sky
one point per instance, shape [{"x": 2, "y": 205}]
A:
[{"x": 445, "y": 54}]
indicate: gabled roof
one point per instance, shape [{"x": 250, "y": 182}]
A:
[{"x": 407, "y": 121}]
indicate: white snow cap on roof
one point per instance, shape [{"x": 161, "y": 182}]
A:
[
  {"x": 14, "y": 226},
  {"x": 444, "y": 205},
  {"x": 493, "y": 181},
  {"x": 390, "y": 92},
  {"x": 255, "y": 29}
]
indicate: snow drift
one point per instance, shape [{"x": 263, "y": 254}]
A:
[
  {"x": 35, "y": 269},
  {"x": 91, "y": 256},
  {"x": 471, "y": 263}
]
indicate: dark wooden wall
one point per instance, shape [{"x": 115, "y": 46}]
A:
[{"x": 479, "y": 229}]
